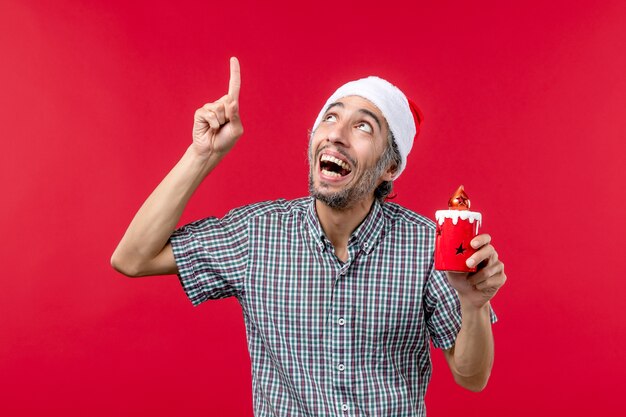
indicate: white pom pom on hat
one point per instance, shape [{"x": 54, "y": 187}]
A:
[{"x": 403, "y": 116}]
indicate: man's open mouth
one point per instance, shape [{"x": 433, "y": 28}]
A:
[{"x": 334, "y": 167}]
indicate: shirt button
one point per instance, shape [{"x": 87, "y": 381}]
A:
[
  {"x": 341, "y": 321},
  {"x": 344, "y": 407},
  {"x": 366, "y": 245},
  {"x": 341, "y": 367}
]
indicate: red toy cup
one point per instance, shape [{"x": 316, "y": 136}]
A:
[{"x": 455, "y": 231}]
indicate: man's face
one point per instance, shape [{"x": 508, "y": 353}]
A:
[{"x": 343, "y": 153}]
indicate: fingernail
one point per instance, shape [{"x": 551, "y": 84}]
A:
[
  {"x": 475, "y": 244},
  {"x": 470, "y": 262}
]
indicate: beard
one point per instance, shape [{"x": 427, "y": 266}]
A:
[
  {"x": 361, "y": 188},
  {"x": 343, "y": 199}
]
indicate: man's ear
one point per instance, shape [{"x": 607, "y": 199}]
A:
[{"x": 390, "y": 172}]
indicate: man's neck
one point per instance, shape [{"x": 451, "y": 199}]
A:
[{"x": 338, "y": 225}]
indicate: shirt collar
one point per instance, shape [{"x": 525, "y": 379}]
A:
[
  {"x": 366, "y": 234},
  {"x": 369, "y": 231}
]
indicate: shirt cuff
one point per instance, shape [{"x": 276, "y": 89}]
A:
[{"x": 186, "y": 268}]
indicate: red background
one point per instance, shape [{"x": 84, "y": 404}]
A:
[{"x": 524, "y": 104}]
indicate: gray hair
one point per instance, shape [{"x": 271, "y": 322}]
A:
[{"x": 391, "y": 156}]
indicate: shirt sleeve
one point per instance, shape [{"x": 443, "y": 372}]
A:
[
  {"x": 211, "y": 256},
  {"x": 443, "y": 311}
]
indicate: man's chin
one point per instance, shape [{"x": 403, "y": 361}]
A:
[
  {"x": 332, "y": 202},
  {"x": 336, "y": 200}
]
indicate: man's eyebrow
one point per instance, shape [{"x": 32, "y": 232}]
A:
[{"x": 336, "y": 103}]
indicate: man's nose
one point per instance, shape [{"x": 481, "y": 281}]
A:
[{"x": 339, "y": 133}]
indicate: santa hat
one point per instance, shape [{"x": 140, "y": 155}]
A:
[{"x": 403, "y": 116}]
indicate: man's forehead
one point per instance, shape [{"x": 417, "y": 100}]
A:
[{"x": 357, "y": 101}]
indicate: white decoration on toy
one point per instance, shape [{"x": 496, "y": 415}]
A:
[{"x": 472, "y": 216}]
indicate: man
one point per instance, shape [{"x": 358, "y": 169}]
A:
[{"x": 338, "y": 290}]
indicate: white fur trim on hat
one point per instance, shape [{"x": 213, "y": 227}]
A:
[{"x": 391, "y": 102}]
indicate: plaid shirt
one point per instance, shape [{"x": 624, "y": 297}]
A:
[{"x": 326, "y": 338}]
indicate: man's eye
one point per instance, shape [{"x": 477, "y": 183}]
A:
[
  {"x": 330, "y": 118},
  {"x": 366, "y": 127}
]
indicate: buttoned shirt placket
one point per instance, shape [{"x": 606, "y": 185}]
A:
[
  {"x": 339, "y": 316},
  {"x": 337, "y": 338}
]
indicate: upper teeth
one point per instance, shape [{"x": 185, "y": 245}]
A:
[{"x": 334, "y": 160}]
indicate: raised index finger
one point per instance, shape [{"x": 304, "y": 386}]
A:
[{"x": 235, "y": 79}]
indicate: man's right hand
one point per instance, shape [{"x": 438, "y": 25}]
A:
[
  {"x": 217, "y": 125},
  {"x": 145, "y": 248}
]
